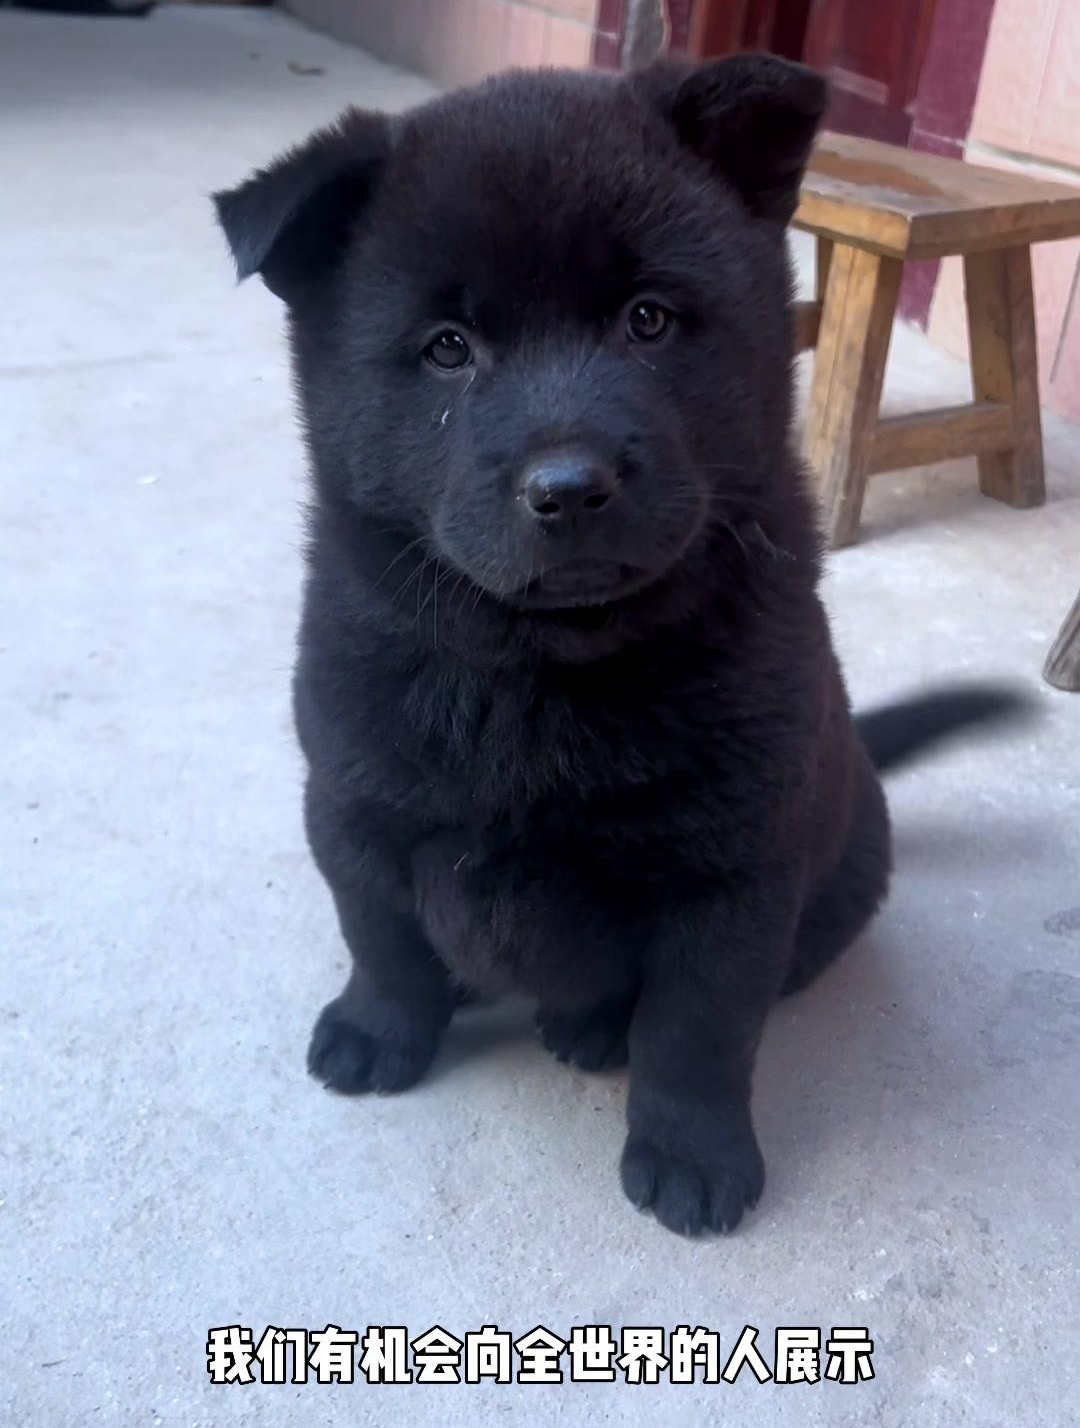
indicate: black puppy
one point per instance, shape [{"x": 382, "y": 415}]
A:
[{"x": 565, "y": 686}]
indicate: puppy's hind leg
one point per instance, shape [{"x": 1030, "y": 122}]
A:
[
  {"x": 592, "y": 1039},
  {"x": 851, "y": 894}
]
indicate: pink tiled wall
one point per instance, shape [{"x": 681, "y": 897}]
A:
[
  {"x": 1012, "y": 73},
  {"x": 1027, "y": 117},
  {"x": 460, "y": 41}
]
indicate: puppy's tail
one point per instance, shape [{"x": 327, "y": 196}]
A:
[{"x": 897, "y": 732}]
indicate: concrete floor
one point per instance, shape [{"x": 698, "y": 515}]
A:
[{"x": 167, "y": 1164}]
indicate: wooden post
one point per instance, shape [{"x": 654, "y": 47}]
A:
[
  {"x": 1001, "y": 324},
  {"x": 822, "y": 259},
  {"x": 853, "y": 343},
  {"x": 1062, "y": 667}
]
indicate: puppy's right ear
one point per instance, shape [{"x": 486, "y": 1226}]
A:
[
  {"x": 752, "y": 118},
  {"x": 291, "y": 222}
]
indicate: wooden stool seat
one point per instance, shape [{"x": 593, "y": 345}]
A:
[{"x": 873, "y": 207}]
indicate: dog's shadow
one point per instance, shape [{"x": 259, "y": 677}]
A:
[
  {"x": 935, "y": 843},
  {"x": 482, "y": 1030},
  {"x": 830, "y": 1057},
  {"x": 835, "y": 1058},
  {"x": 856, "y": 1061}
]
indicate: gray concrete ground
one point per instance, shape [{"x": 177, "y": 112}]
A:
[{"x": 167, "y": 1166}]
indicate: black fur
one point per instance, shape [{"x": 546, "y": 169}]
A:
[{"x": 603, "y": 755}]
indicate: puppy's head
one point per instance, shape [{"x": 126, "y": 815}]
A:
[{"x": 541, "y": 327}]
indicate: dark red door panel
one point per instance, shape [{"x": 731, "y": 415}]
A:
[{"x": 872, "y": 51}]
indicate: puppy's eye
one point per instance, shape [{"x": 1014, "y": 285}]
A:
[
  {"x": 647, "y": 321},
  {"x": 448, "y": 351}
]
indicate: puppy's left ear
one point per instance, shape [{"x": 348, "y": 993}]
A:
[
  {"x": 292, "y": 221},
  {"x": 752, "y": 118}
]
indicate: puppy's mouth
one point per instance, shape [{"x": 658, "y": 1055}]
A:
[{"x": 574, "y": 584}]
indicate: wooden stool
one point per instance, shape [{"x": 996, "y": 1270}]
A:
[{"x": 873, "y": 207}]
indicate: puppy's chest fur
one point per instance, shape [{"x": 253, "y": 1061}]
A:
[{"x": 543, "y": 822}]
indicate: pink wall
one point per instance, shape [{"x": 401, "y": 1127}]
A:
[
  {"x": 460, "y": 41},
  {"x": 1027, "y": 117}
]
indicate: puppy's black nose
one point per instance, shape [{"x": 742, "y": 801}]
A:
[{"x": 567, "y": 482}]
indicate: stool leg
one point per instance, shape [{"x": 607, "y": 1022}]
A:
[
  {"x": 856, "y": 324},
  {"x": 1062, "y": 666},
  {"x": 1004, "y": 368}
]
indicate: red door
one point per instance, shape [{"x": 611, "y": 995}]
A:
[
  {"x": 717, "y": 26},
  {"x": 872, "y": 51},
  {"x": 709, "y": 28}
]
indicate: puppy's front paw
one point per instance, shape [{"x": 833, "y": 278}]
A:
[
  {"x": 593, "y": 1040},
  {"x": 692, "y": 1194},
  {"x": 347, "y": 1056}
]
